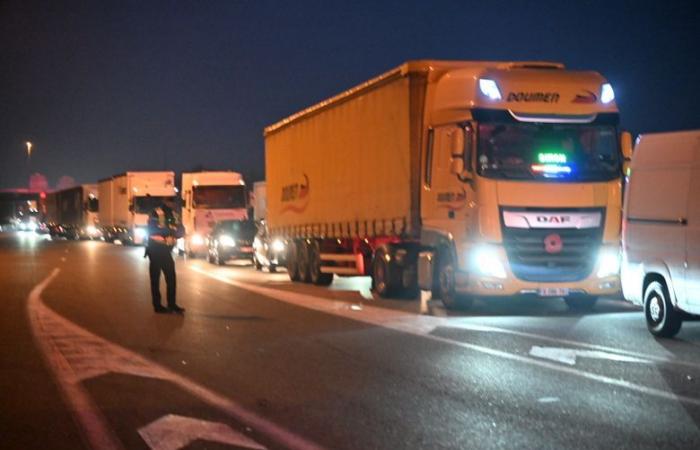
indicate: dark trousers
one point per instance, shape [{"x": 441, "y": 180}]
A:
[{"x": 161, "y": 260}]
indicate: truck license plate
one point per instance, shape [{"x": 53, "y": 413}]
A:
[{"x": 553, "y": 292}]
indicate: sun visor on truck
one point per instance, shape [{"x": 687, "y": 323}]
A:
[{"x": 505, "y": 116}]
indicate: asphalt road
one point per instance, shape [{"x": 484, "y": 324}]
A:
[{"x": 256, "y": 362}]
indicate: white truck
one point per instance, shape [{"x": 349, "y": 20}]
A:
[
  {"x": 126, "y": 201},
  {"x": 209, "y": 197}
]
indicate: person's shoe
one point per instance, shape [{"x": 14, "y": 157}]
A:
[
  {"x": 176, "y": 309},
  {"x": 160, "y": 310}
]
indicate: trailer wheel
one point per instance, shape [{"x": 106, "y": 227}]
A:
[
  {"x": 292, "y": 261},
  {"x": 317, "y": 277},
  {"x": 304, "y": 260},
  {"x": 384, "y": 280},
  {"x": 445, "y": 286},
  {"x": 662, "y": 318}
]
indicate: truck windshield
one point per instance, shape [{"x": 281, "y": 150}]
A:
[
  {"x": 219, "y": 197},
  {"x": 146, "y": 204},
  {"x": 549, "y": 152}
]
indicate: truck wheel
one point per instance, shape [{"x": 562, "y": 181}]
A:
[
  {"x": 384, "y": 280},
  {"x": 662, "y": 318},
  {"x": 304, "y": 261},
  {"x": 317, "y": 277},
  {"x": 445, "y": 286},
  {"x": 293, "y": 261},
  {"x": 581, "y": 302}
]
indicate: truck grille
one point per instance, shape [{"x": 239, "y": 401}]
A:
[{"x": 530, "y": 260}]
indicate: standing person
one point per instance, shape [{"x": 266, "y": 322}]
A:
[{"x": 163, "y": 229}]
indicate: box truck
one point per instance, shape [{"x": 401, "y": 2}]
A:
[
  {"x": 661, "y": 230},
  {"x": 127, "y": 199},
  {"x": 208, "y": 198},
  {"x": 73, "y": 213},
  {"x": 467, "y": 179}
]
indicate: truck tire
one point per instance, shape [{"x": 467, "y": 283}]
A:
[
  {"x": 662, "y": 318},
  {"x": 581, "y": 302},
  {"x": 385, "y": 281},
  {"x": 292, "y": 261},
  {"x": 317, "y": 277},
  {"x": 445, "y": 286},
  {"x": 304, "y": 261}
]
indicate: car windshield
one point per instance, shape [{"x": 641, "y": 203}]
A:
[
  {"x": 146, "y": 204},
  {"x": 554, "y": 152},
  {"x": 219, "y": 197},
  {"x": 244, "y": 229}
]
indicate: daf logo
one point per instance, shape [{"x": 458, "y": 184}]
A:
[{"x": 554, "y": 219}]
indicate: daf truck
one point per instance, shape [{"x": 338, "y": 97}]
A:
[
  {"x": 207, "y": 198},
  {"x": 466, "y": 179},
  {"x": 127, "y": 199},
  {"x": 73, "y": 213}
]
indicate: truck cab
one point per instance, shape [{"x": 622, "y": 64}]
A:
[{"x": 522, "y": 184}]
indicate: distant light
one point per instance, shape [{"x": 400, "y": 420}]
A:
[
  {"x": 606, "y": 93},
  {"x": 551, "y": 158},
  {"x": 195, "y": 183},
  {"x": 489, "y": 88},
  {"x": 141, "y": 233},
  {"x": 277, "y": 245},
  {"x": 197, "y": 240},
  {"x": 177, "y": 190},
  {"x": 551, "y": 169},
  {"x": 227, "y": 241},
  {"x": 135, "y": 189}
]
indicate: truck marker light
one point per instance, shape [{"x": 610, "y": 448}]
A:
[
  {"x": 606, "y": 93},
  {"x": 489, "y": 88}
]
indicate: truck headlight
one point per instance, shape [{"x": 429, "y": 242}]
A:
[
  {"x": 197, "y": 239},
  {"x": 227, "y": 241},
  {"x": 141, "y": 233},
  {"x": 486, "y": 261},
  {"x": 277, "y": 245},
  {"x": 608, "y": 262}
]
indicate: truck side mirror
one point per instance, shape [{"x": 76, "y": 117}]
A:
[
  {"x": 461, "y": 151},
  {"x": 626, "y": 145}
]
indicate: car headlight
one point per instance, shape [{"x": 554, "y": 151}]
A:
[
  {"x": 197, "y": 239},
  {"x": 91, "y": 230},
  {"x": 608, "y": 262},
  {"x": 486, "y": 261},
  {"x": 141, "y": 233},
  {"x": 278, "y": 245},
  {"x": 227, "y": 241}
]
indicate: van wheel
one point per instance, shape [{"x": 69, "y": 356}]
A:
[
  {"x": 581, "y": 302},
  {"x": 316, "y": 276},
  {"x": 662, "y": 318},
  {"x": 445, "y": 288},
  {"x": 292, "y": 261},
  {"x": 384, "y": 280}
]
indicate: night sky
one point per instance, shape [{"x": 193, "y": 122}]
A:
[{"x": 103, "y": 87}]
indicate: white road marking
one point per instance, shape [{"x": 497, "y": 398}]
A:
[
  {"x": 74, "y": 354},
  {"x": 423, "y": 326},
  {"x": 569, "y": 355},
  {"x": 173, "y": 432}
]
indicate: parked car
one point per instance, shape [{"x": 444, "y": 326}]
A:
[
  {"x": 267, "y": 251},
  {"x": 231, "y": 239},
  {"x": 661, "y": 230}
]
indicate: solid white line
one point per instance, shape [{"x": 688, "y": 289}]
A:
[
  {"x": 48, "y": 325},
  {"x": 93, "y": 423},
  {"x": 406, "y": 322}
]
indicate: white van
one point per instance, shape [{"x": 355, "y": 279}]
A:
[{"x": 661, "y": 230}]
